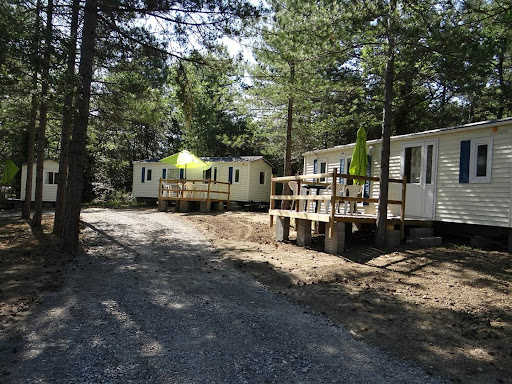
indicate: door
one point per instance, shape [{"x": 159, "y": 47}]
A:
[{"x": 419, "y": 165}]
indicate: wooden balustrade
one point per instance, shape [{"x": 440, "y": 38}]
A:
[{"x": 302, "y": 204}]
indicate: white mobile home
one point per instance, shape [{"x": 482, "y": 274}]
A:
[
  {"x": 459, "y": 174},
  {"x": 50, "y": 174},
  {"x": 249, "y": 176}
]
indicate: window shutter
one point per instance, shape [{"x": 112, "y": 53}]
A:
[
  {"x": 342, "y": 170},
  {"x": 230, "y": 175},
  {"x": 465, "y": 150},
  {"x": 315, "y": 165},
  {"x": 143, "y": 174},
  {"x": 182, "y": 173},
  {"x": 164, "y": 173},
  {"x": 366, "y": 193}
]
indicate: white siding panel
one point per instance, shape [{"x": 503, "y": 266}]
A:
[
  {"x": 257, "y": 191},
  {"x": 49, "y": 190},
  {"x": 474, "y": 203}
]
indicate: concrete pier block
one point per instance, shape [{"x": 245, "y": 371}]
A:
[
  {"x": 303, "y": 232},
  {"x": 162, "y": 205},
  {"x": 282, "y": 228},
  {"x": 335, "y": 244},
  {"x": 393, "y": 238},
  {"x": 205, "y": 207},
  {"x": 184, "y": 206}
]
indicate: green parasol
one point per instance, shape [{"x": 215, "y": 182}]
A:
[
  {"x": 10, "y": 170},
  {"x": 359, "y": 160},
  {"x": 185, "y": 159}
]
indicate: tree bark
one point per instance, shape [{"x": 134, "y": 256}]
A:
[
  {"x": 288, "y": 145},
  {"x": 25, "y": 214},
  {"x": 43, "y": 115},
  {"x": 382, "y": 214},
  {"x": 67, "y": 121},
  {"x": 69, "y": 235}
]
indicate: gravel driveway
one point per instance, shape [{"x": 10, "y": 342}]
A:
[{"x": 149, "y": 301}]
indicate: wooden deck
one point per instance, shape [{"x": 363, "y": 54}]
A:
[
  {"x": 328, "y": 207},
  {"x": 203, "y": 191}
]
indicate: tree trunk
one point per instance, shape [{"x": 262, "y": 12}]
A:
[
  {"x": 69, "y": 236},
  {"x": 288, "y": 145},
  {"x": 502, "y": 96},
  {"x": 25, "y": 214},
  {"x": 43, "y": 115},
  {"x": 382, "y": 214},
  {"x": 67, "y": 121}
]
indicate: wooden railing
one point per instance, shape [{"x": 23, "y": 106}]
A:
[
  {"x": 194, "y": 190},
  {"x": 302, "y": 204}
]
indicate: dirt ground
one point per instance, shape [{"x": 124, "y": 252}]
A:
[
  {"x": 448, "y": 309},
  {"x": 29, "y": 266}
]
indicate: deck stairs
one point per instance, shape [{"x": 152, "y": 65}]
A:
[{"x": 423, "y": 237}]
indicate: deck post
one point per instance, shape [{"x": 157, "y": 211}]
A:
[
  {"x": 272, "y": 201},
  {"x": 282, "y": 228},
  {"x": 335, "y": 244},
  {"x": 402, "y": 209},
  {"x": 228, "y": 204},
  {"x": 303, "y": 232},
  {"x": 332, "y": 203}
]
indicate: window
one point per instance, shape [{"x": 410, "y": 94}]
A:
[
  {"x": 237, "y": 176},
  {"x": 412, "y": 164},
  {"x": 172, "y": 173},
  {"x": 480, "y": 161},
  {"x": 208, "y": 174},
  {"x": 262, "y": 178},
  {"x": 321, "y": 169},
  {"x": 149, "y": 174},
  {"x": 51, "y": 178},
  {"x": 475, "y": 161}
]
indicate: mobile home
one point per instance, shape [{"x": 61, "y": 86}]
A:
[
  {"x": 456, "y": 175},
  {"x": 50, "y": 175},
  {"x": 249, "y": 176}
]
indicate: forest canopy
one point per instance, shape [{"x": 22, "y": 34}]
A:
[{"x": 164, "y": 80}]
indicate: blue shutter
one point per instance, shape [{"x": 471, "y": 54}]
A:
[
  {"x": 182, "y": 173},
  {"x": 143, "y": 174},
  {"x": 465, "y": 150},
  {"x": 342, "y": 170},
  {"x": 366, "y": 193},
  {"x": 315, "y": 165},
  {"x": 230, "y": 175},
  {"x": 164, "y": 173}
]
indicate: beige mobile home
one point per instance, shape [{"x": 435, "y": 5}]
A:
[
  {"x": 249, "y": 176},
  {"x": 50, "y": 174},
  {"x": 459, "y": 174}
]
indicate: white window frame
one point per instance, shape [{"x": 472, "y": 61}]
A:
[
  {"x": 47, "y": 178},
  {"x": 473, "y": 178},
  {"x": 264, "y": 178},
  {"x": 239, "y": 175},
  {"x": 147, "y": 172}
]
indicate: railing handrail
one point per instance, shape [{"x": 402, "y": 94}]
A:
[
  {"x": 332, "y": 198},
  {"x": 282, "y": 179}
]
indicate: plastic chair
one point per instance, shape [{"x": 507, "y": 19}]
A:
[
  {"x": 352, "y": 191},
  {"x": 340, "y": 190}
]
